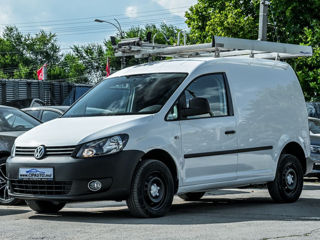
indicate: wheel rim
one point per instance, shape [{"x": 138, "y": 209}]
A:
[
  {"x": 4, "y": 191},
  {"x": 154, "y": 190},
  {"x": 290, "y": 179}
]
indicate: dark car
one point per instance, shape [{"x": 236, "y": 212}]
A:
[
  {"x": 46, "y": 113},
  {"x": 13, "y": 123}
]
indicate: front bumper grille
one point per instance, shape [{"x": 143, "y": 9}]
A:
[
  {"x": 316, "y": 167},
  {"x": 39, "y": 187},
  {"x": 50, "y": 151}
]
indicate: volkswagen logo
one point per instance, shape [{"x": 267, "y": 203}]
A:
[{"x": 40, "y": 151}]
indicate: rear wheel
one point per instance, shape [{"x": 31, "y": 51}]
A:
[
  {"x": 288, "y": 184},
  {"x": 195, "y": 196},
  {"x": 45, "y": 206},
  {"x": 152, "y": 190},
  {"x": 5, "y": 199}
]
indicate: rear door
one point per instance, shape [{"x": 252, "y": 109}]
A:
[{"x": 209, "y": 141}]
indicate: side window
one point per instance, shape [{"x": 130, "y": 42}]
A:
[
  {"x": 173, "y": 113},
  {"x": 34, "y": 113},
  {"x": 49, "y": 115},
  {"x": 211, "y": 87}
]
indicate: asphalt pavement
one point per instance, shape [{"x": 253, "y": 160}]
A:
[{"x": 222, "y": 214}]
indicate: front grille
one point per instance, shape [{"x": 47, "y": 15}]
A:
[
  {"x": 41, "y": 187},
  {"x": 50, "y": 151},
  {"x": 316, "y": 167}
]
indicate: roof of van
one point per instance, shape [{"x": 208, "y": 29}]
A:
[{"x": 188, "y": 65}]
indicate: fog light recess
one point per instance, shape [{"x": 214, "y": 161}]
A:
[{"x": 94, "y": 185}]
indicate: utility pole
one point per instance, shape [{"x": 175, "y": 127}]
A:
[
  {"x": 263, "y": 20},
  {"x": 45, "y": 72}
]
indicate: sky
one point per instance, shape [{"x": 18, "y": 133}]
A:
[{"x": 73, "y": 21}]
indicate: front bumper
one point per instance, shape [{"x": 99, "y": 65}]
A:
[
  {"x": 315, "y": 161},
  {"x": 113, "y": 171}
]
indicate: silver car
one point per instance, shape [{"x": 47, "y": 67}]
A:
[{"x": 314, "y": 127}]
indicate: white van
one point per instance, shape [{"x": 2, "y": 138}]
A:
[{"x": 181, "y": 127}]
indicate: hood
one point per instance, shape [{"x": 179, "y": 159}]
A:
[
  {"x": 7, "y": 140},
  {"x": 70, "y": 131}
]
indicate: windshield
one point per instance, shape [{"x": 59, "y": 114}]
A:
[
  {"x": 314, "y": 126},
  {"x": 138, "y": 94},
  {"x": 15, "y": 120}
]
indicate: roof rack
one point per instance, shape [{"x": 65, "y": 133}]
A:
[{"x": 220, "y": 47}]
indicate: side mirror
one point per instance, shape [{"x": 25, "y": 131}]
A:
[{"x": 197, "y": 106}]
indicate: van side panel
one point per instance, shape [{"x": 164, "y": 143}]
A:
[{"x": 270, "y": 110}]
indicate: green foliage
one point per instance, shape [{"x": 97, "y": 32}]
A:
[
  {"x": 230, "y": 18},
  {"x": 21, "y": 55},
  {"x": 22, "y": 72},
  {"x": 93, "y": 58},
  {"x": 293, "y": 21}
]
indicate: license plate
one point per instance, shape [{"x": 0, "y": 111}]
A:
[{"x": 36, "y": 173}]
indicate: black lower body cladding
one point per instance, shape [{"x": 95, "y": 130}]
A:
[{"x": 71, "y": 177}]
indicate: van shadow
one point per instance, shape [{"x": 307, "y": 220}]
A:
[
  {"x": 206, "y": 211},
  {"x": 12, "y": 211}
]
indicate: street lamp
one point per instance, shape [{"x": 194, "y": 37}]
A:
[
  {"x": 117, "y": 27},
  {"x": 123, "y": 60}
]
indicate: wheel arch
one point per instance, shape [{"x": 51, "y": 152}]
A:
[
  {"x": 4, "y": 154},
  {"x": 295, "y": 149},
  {"x": 167, "y": 159}
]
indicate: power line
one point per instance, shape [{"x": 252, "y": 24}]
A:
[
  {"x": 102, "y": 26},
  {"x": 93, "y": 17}
]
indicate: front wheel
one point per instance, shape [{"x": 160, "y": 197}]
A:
[
  {"x": 152, "y": 190},
  {"x": 45, "y": 206},
  {"x": 288, "y": 184}
]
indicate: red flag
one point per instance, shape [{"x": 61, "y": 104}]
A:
[
  {"x": 108, "y": 68},
  {"x": 40, "y": 73}
]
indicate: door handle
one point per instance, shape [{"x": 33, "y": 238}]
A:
[{"x": 230, "y": 132}]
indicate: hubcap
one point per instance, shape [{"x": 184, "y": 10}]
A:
[
  {"x": 290, "y": 179},
  {"x": 154, "y": 190}
]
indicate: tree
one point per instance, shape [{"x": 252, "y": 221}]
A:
[
  {"x": 294, "y": 21},
  {"x": 230, "y": 18},
  {"x": 93, "y": 58},
  {"x": 21, "y": 55}
]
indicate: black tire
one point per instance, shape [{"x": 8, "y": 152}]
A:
[
  {"x": 5, "y": 199},
  {"x": 45, "y": 206},
  {"x": 288, "y": 183},
  {"x": 193, "y": 196},
  {"x": 152, "y": 190}
]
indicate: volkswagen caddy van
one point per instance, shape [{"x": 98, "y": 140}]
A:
[{"x": 176, "y": 127}]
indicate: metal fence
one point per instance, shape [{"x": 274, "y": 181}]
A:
[{"x": 52, "y": 93}]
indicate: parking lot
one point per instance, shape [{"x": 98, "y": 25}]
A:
[{"x": 223, "y": 214}]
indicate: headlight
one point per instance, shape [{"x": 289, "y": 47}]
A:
[
  {"x": 315, "y": 148},
  {"x": 13, "y": 150},
  {"x": 103, "y": 146}
]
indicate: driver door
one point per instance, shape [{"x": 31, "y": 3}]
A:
[{"x": 209, "y": 140}]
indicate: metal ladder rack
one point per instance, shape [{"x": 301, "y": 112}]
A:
[{"x": 219, "y": 47}]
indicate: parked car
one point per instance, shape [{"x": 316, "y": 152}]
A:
[
  {"x": 46, "y": 113},
  {"x": 174, "y": 127},
  {"x": 314, "y": 127},
  {"x": 13, "y": 123}
]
